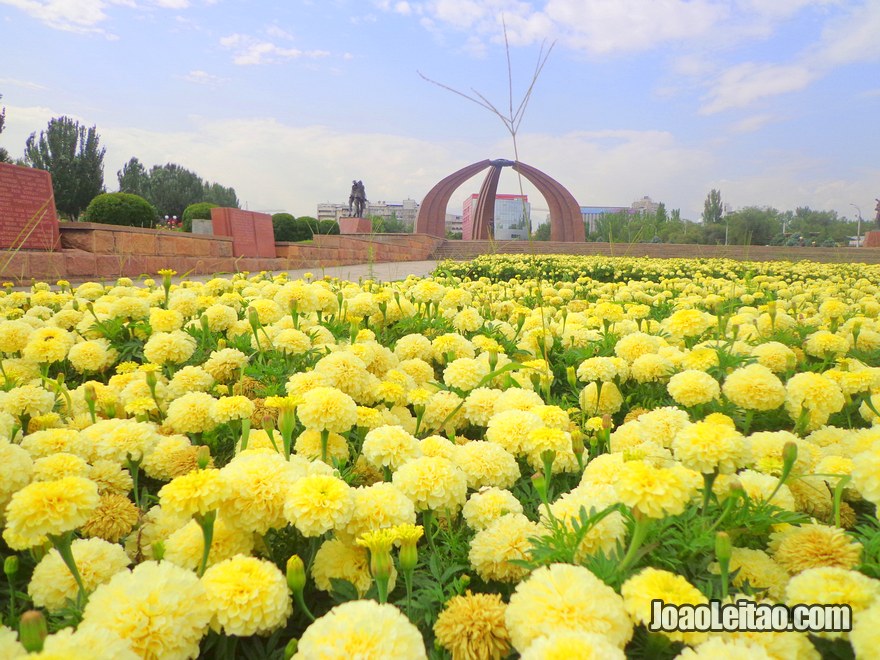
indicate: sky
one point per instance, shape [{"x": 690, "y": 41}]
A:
[{"x": 772, "y": 102}]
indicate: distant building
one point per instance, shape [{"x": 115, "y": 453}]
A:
[
  {"x": 511, "y": 220},
  {"x": 330, "y": 211},
  {"x": 406, "y": 211},
  {"x": 591, "y": 214},
  {"x": 645, "y": 206},
  {"x": 453, "y": 223}
]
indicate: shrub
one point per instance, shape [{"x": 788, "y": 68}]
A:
[
  {"x": 120, "y": 209},
  {"x": 288, "y": 229},
  {"x": 197, "y": 211},
  {"x": 321, "y": 226}
]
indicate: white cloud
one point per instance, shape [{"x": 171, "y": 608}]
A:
[
  {"x": 26, "y": 84},
  {"x": 402, "y": 8},
  {"x": 85, "y": 16},
  {"x": 278, "y": 32},
  {"x": 250, "y": 51},
  {"x": 253, "y": 155},
  {"x": 743, "y": 84},
  {"x": 751, "y": 124},
  {"x": 852, "y": 37},
  {"x": 200, "y": 77}
]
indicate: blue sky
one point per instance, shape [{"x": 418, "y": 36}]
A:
[{"x": 774, "y": 102}]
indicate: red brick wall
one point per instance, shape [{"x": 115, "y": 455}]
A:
[{"x": 27, "y": 209}]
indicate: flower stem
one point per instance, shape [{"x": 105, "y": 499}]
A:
[
  {"x": 640, "y": 531},
  {"x": 708, "y": 481},
  {"x": 325, "y": 440},
  {"x": 62, "y": 544},
  {"x": 206, "y": 522}
]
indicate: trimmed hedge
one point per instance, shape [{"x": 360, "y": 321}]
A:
[
  {"x": 197, "y": 211},
  {"x": 119, "y": 208},
  {"x": 289, "y": 229}
]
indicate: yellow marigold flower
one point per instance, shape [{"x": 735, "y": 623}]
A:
[
  {"x": 443, "y": 407},
  {"x": 655, "y": 492},
  {"x": 194, "y": 412},
  {"x": 47, "y": 345},
  {"x": 173, "y": 456},
  {"x": 223, "y": 364},
  {"x": 472, "y": 626},
  {"x": 389, "y": 446},
  {"x": 159, "y": 608},
  {"x": 866, "y": 475},
  {"x": 604, "y": 535},
  {"x": 634, "y": 345},
  {"x": 185, "y": 544},
  {"x": 651, "y": 584},
  {"x": 465, "y": 373},
  {"x": 57, "y": 466},
  {"x": 378, "y": 506},
  {"x": 824, "y": 344},
  {"x": 114, "y": 518},
  {"x": 833, "y": 586},
  {"x": 689, "y": 322},
  {"x": 609, "y": 399},
  {"x": 92, "y": 355},
  {"x": 46, "y": 508},
  {"x": 247, "y": 596},
  {"x": 651, "y": 368},
  {"x": 165, "y": 320},
  {"x": 14, "y": 336},
  {"x": 432, "y": 483},
  {"x": 68, "y": 644},
  {"x": 52, "y": 584},
  {"x": 336, "y": 560},
  {"x": 110, "y": 477},
  {"x": 29, "y": 400},
  {"x": 189, "y": 379},
  {"x": 230, "y": 408},
  {"x": 318, "y": 503},
  {"x": 605, "y": 369},
  {"x": 517, "y": 399},
  {"x": 326, "y": 408},
  {"x": 118, "y": 439},
  {"x": 692, "y": 388},
  {"x": 565, "y": 598},
  {"x": 707, "y": 447},
  {"x": 813, "y": 546},
  {"x": 541, "y": 440},
  {"x": 362, "y": 629},
  {"x": 758, "y": 569},
  {"x": 717, "y": 648},
  {"x": 510, "y": 428},
  {"x": 759, "y": 486},
  {"x": 486, "y": 464},
  {"x": 818, "y": 395},
  {"x": 479, "y": 406},
  {"x": 494, "y": 548},
  {"x": 572, "y": 645},
  {"x": 777, "y": 357},
  {"x": 169, "y": 347},
  {"x": 865, "y": 635},
  {"x": 308, "y": 444},
  {"x": 700, "y": 359},
  {"x": 195, "y": 492},
  {"x": 378, "y": 540},
  {"x": 754, "y": 387}
]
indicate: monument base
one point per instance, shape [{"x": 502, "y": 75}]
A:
[
  {"x": 355, "y": 226},
  {"x": 872, "y": 239}
]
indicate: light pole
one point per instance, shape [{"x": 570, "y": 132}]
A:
[{"x": 859, "y": 226}]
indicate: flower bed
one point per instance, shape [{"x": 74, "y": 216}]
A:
[{"x": 516, "y": 456}]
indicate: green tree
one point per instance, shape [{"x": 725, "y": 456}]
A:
[
  {"x": 134, "y": 179},
  {"x": 173, "y": 188},
  {"x": 753, "y": 226},
  {"x": 72, "y": 154},
  {"x": 4, "y": 155},
  {"x": 542, "y": 233},
  {"x": 712, "y": 208},
  {"x": 660, "y": 215},
  {"x": 220, "y": 195}
]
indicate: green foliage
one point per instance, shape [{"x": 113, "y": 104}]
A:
[
  {"x": 712, "y": 208},
  {"x": 172, "y": 188},
  {"x": 542, "y": 233},
  {"x": 120, "y": 209},
  {"x": 4, "y": 155},
  {"x": 197, "y": 211},
  {"x": 72, "y": 154}
]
